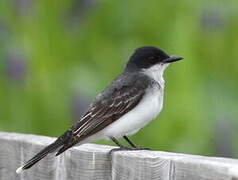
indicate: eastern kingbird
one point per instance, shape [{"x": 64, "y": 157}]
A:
[{"x": 130, "y": 102}]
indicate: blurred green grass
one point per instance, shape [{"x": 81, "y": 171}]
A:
[{"x": 53, "y": 52}]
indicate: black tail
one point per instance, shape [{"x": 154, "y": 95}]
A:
[{"x": 43, "y": 153}]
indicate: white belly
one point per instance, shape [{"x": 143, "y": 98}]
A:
[{"x": 149, "y": 107}]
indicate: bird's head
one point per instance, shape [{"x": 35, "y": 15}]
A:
[{"x": 147, "y": 57}]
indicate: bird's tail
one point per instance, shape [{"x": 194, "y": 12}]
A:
[{"x": 44, "y": 152}]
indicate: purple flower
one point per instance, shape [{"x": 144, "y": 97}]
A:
[{"x": 16, "y": 68}]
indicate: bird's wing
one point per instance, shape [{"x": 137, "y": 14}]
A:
[{"x": 106, "y": 109}]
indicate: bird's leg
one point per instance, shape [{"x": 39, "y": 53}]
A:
[
  {"x": 133, "y": 145},
  {"x": 130, "y": 142},
  {"x": 121, "y": 147}
]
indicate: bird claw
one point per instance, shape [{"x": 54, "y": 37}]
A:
[
  {"x": 120, "y": 149},
  {"x": 141, "y": 148},
  {"x": 127, "y": 149}
]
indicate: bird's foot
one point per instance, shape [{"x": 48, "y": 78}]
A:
[
  {"x": 141, "y": 148},
  {"x": 121, "y": 149},
  {"x": 127, "y": 149}
]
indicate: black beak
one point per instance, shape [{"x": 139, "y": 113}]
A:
[{"x": 172, "y": 59}]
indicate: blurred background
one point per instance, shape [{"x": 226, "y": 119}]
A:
[{"x": 55, "y": 56}]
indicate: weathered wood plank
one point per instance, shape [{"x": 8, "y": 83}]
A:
[
  {"x": 155, "y": 165},
  {"x": 91, "y": 161},
  {"x": 87, "y": 162}
]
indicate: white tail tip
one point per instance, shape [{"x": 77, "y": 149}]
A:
[{"x": 19, "y": 170}]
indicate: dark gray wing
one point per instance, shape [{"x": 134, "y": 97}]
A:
[{"x": 123, "y": 95}]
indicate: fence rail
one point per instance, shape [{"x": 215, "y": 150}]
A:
[{"x": 93, "y": 162}]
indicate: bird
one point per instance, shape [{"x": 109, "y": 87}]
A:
[{"x": 131, "y": 101}]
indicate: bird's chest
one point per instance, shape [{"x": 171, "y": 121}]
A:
[
  {"x": 149, "y": 107},
  {"x": 146, "y": 111},
  {"x": 152, "y": 104}
]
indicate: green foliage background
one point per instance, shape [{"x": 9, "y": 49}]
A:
[{"x": 72, "y": 50}]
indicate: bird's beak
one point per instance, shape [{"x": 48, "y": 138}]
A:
[{"x": 172, "y": 59}]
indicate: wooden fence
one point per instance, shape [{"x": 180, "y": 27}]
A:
[{"x": 93, "y": 162}]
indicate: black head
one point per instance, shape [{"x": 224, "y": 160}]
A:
[{"x": 145, "y": 57}]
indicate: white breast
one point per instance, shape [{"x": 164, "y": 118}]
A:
[{"x": 149, "y": 107}]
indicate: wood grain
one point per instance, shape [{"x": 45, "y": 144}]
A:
[
  {"x": 93, "y": 162},
  {"x": 142, "y": 165}
]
